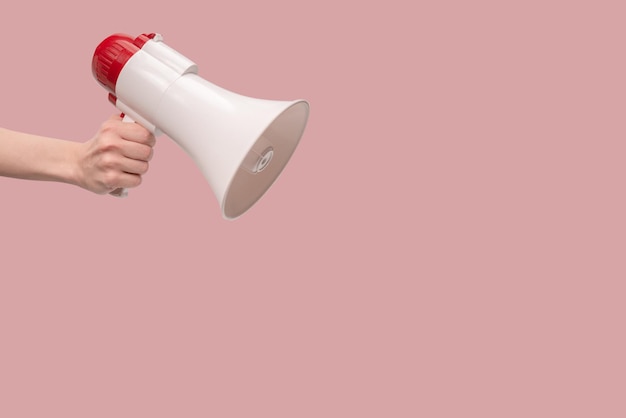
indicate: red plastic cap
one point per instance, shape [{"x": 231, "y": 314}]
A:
[{"x": 112, "y": 54}]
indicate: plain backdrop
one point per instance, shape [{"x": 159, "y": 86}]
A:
[{"x": 447, "y": 241}]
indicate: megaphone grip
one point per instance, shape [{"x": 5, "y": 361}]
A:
[{"x": 122, "y": 192}]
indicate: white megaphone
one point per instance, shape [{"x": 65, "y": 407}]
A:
[{"x": 241, "y": 144}]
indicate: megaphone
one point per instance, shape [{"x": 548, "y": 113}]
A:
[{"x": 241, "y": 144}]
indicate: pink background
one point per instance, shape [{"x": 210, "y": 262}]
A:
[{"x": 447, "y": 241}]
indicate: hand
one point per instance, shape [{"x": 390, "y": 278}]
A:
[{"x": 116, "y": 157}]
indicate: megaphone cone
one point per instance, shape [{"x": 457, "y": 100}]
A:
[{"x": 241, "y": 144}]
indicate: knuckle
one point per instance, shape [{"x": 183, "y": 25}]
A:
[
  {"x": 110, "y": 180},
  {"x": 143, "y": 135},
  {"x": 140, "y": 167},
  {"x": 146, "y": 153},
  {"x": 109, "y": 142},
  {"x": 108, "y": 161},
  {"x": 108, "y": 126}
]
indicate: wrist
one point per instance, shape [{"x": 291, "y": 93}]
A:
[
  {"x": 70, "y": 170},
  {"x": 59, "y": 161}
]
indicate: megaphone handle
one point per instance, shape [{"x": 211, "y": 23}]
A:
[{"x": 122, "y": 192}]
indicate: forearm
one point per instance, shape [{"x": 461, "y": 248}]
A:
[{"x": 36, "y": 157}]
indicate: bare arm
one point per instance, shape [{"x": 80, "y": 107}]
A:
[{"x": 116, "y": 157}]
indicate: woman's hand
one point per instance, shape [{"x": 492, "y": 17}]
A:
[{"x": 116, "y": 157}]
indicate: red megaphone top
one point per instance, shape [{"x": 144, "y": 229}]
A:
[{"x": 112, "y": 54}]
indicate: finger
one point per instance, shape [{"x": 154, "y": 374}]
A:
[
  {"x": 119, "y": 180},
  {"x": 127, "y": 181},
  {"x": 136, "y": 133},
  {"x": 131, "y": 166},
  {"x": 136, "y": 151}
]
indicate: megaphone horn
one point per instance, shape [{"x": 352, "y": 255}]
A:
[{"x": 241, "y": 144}]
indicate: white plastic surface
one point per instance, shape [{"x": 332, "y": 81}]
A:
[{"x": 241, "y": 144}]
